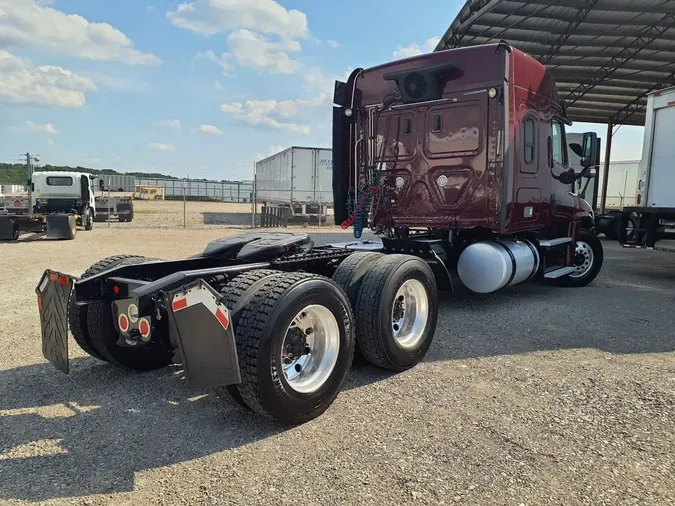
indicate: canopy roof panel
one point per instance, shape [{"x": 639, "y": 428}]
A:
[{"x": 605, "y": 55}]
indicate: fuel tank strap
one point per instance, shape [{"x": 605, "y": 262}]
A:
[
  {"x": 535, "y": 254},
  {"x": 513, "y": 262}
]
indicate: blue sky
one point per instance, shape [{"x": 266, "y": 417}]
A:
[{"x": 201, "y": 88}]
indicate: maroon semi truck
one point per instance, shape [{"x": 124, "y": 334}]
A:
[{"x": 457, "y": 159}]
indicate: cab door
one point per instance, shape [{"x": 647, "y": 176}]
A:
[{"x": 562, "y": 199}]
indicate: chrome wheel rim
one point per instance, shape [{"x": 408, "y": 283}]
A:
[
  {"x": 409, "y": 314},
  {"x": 584, "y": 250},
  {"x": 310, "y": 349}
]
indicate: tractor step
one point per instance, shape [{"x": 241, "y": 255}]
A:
[
  {"x": 552, "y": 243},
  {"x": 559, "y": 272}
]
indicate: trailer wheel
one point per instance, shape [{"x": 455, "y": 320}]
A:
[
  {"x": 15, "y": 232},
  {"x": 233, "y": 293},
  {"x": 77, "y": 316},
  {"x": 295, "y": 341},
  {"x": 396, "y": 313},
  {"x": 89, "y": 222},
  {"x": 588, "y": 260}
]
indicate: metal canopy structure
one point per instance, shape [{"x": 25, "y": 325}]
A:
[{"x": 605, "y": 55}]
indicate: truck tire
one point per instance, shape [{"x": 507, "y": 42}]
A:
[
  {"x": 233, "y": 293},
  {"x": 89, "y": 222},
  {"x": 307, "y": 319},
  {"x": 349, "y": 276},
  {"x": 350, "y": 273},
  {"x": 590, "y": 256},
  {"x": 77, "y": 316},
  {"x": 397, "y": 310}
]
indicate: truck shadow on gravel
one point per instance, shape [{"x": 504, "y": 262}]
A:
[{"x": 91, "y": 431}]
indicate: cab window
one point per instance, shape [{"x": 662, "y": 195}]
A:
[
  {"x": 559, "y": 153},
  {"x": 59, "y": 181}
]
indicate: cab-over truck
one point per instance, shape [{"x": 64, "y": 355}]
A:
[{"x": 456, "y": 158}]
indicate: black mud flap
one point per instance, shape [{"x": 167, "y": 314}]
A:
[
  {"x": 53, "y": 293},
  {"x": 61, "y": 226},
  {"x": 201, "y": 330}
]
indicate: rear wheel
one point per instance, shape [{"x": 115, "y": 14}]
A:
[
  {"x": 89, "y": 220},
  {"x": 349, "y": 275},
  {"x": 588, "y": 259},
  {"x": 295, "y": 341},
  {"x": 233, "y": 294},
  {"x": 396, "y": 314},
  {"x": 77, "y": 316}
]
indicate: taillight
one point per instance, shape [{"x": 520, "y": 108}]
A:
[
  {"x": 123, "y": 322},
  {"x": 144, "y": 328},
  {"x": 639, "y": 199}
]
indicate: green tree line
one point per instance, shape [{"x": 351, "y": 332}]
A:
[{"x": 15, "y": 173}]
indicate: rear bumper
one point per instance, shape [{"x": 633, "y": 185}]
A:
[{"x": 200, "y": 329}]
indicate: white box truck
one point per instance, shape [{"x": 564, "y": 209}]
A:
[
  {"x": 298, "y": 179},
  {"x": 655, "y": 199}
]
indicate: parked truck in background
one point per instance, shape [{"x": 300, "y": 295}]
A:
[
  {"x": 114, "y": 198},
  {"x": 58, "y": 202},
  {"x": 298, "y": 179},
  {"x": 621, "y": 188},
  {"x": 654, "y": 208}
]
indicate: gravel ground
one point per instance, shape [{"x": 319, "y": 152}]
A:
[{"x": 535, "y": 395}]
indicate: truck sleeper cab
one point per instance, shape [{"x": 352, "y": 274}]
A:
[{"x": 463, "y": 146}]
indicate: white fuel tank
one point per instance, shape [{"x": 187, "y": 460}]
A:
[{"x": 488, "y": 266}]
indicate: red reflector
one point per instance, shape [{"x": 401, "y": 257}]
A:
[
  {"x": 144, "y": 327},
  {"x": 40, "y": 303},
  {"x": 639, "y": 199},
  {"x": 222, "y": 318},
  {"x": 123, "y": 322},
  {"x": 63, "y": 280},
  {"x": 53, "y": 276},
  {"x": 179, "y": 304},
  {"x": 116, "y": 290}
]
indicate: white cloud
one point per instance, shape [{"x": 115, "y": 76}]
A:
[
  {"x": 289, "y": 115},
  {"x": 415, "y": 49},
  {"x": 213, "y": 57},
  {"x": 168, "y": 123},
  {"x": 118, "y": 84},
  {"x": 252, "y": 50},
  {"x": 209, "y": 17},
  {"x": 27, "y": 24},
  {"x": 161, "y": 147},
  {"x": 210, "y": 129},
  {"x": 22, "y": 83},
  {"x": 30, "y": 128},
  {"x": 333, "y": 43}
]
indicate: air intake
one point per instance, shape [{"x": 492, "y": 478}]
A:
[{"x": 421, "y": 84}]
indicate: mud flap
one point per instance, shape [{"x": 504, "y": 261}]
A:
[
  {"x": 201, "y": 330},
  {"x": 61, "y": 226},
  {"x": 53, "y": 293},
  {"x": 6, "y": 228}
]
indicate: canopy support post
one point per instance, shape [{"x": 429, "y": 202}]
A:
[{"x": 605, "y": 177}]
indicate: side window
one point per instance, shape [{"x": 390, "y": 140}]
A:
[
  {"x": 559, "y": 154},
  {"x": 530, "y": 149}
]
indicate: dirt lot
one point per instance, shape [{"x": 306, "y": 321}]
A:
[{"x": 535, "y": 395}]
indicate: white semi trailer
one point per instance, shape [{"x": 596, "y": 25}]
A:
[
  {"x": 655, "y": 200},
  {"x": 297, "y": 179}
]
